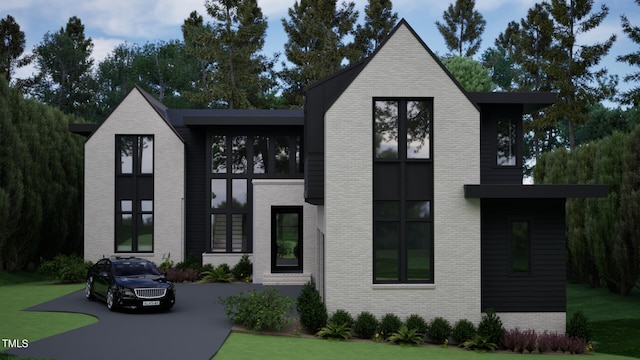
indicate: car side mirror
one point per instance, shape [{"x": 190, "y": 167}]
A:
[{"x": 104, "y": 274}]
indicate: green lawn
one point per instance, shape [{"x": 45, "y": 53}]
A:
[
  {"x": 248, "y": 346},
  {"x": 32, "y": 325},
  {"x": 615, "y": 320}
]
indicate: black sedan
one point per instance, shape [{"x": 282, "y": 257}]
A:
[{"x": 129, "y": 283}]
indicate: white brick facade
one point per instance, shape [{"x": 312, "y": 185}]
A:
[
  {"x": 134, "y": 116},
  {"x": 540, "y": 322},
  {"x": 280, "y": 192},
  {"x": 402, "y": 69}
]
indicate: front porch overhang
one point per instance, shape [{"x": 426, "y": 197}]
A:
[{"x": 546, "y": 191}]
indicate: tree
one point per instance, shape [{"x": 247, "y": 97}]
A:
[
  {"x": 469, "y": 73},
  {"x": 571, "y": 63},
  {"x": 64, "y": 62},
  {"x": 317, "y": 30},
  {"x": 463, "y": 28},
  {"x": 234, "y": 73},
  {"x": 631, "y": 97},
  {"x": 11, "y": 46},
  {"x": 379, "y": 20}
]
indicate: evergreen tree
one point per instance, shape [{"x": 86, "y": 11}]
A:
[
  {"x": 234, "y": 73},
  {"x": 12, "y": 43},
  {"x": 631, "y": 97},
  {"x": 64, "y": 62},
  {"x": 463, "y": 27},
  {"x": 499, "y": 59},
  {"x": 571, "y": 63},
  {"x": 379, "y": 20},
  {"x": 316, "y": 48},
  {"x": 469, "y": 73}
]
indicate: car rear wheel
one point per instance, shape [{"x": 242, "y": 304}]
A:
[
  {"x": 111, "y": 300},
  {"x": 88, "y": 289}
]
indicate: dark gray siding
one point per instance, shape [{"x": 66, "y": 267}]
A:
[
  {"x": 490, "y": 172},
  {"x": 195, "y": 190},
  {"x": 543, "y": 290}
]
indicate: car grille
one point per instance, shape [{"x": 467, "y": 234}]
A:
[{"x": 150, "y": 293}]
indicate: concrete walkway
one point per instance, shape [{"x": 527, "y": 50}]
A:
[{"x": 195, "y": 328}]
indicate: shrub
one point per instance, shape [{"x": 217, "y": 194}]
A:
[
  {"x": 490, "y": 327},
  {"x": 545, "y": 342},
  {"x": 439, "y": 330},
  {"x": 341, "y": 317},
  {"x": 258, "y": 309},
  {"x": 166, "y": 264},
  {"x": 479, "y": 343},
  {"x": 389, "y": 324},
  {"x": 311, "y": 309},
  {"x": 576, "y": 345},
  {"x": 405, "y": 335},
  {"x": 416, "y": 322},
  {"x": 335, "y": 331},
  {"x": 365, "y": 325},
  {"x": 218, "y": 274},
  {"x": 180, "y": 275},
  {"x": 191, "y": 262},
  {"x": 462, "y": 331},
  {"x": 66, "y": 268},
  {"x": 520, "y": 340},
  {"x": 243, "y": 270},
  {"x": 578, "y": 326}
]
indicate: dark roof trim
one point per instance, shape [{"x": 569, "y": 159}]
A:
[
  {"x": 517, "y": 191},
  {"x": 531, "y": 101},
  {"x": 160, "y": 108},
  {"x": 232, "y": 117},
  {"x": 83, "y": 129}
]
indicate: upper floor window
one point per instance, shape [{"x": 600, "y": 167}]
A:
[
  {"x": 134, "y": 193},
  {"x": 402, "y": 191},
  {"x": 507, "y": 142}
]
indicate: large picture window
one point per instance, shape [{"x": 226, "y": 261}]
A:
[
  {"x": 403, "y": 191},
  {"x": 134, "y": 193},
  {"x": 235, "y": 160}
]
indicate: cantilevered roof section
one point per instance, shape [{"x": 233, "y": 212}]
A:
[
  {"x": 235, "y": 117},
  {"x": 530, "y": 101},
  {"x": 545, "y": 191}
]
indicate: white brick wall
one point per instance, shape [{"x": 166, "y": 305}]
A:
[
  {"x": 403, "y": 68},
  {"x": 552, "y": 321},
  {"x": 136, "y": 117},
  {"x": 280, "y": 192}
]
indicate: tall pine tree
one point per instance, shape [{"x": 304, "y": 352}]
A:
[
  {"x": 632, "y": 96},
  {"x": 12, "y": 41},
  {"x": 572, "y": 63},
  {"x": 379, "y": 19},
  {"x": 463, "y": 27},
  {"x": 316, "y": 48}
]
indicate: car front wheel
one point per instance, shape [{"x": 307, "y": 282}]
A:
[
  {"x": 88, "y": 289},
  {"x": 111, "y": 300}
]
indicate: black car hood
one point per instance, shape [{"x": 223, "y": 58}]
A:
[{"x": 143, "y": 281}]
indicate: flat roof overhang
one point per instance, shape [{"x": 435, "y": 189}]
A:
[
  {"x": 518, "y": 191},
  {"x": 229, "y": 117},
  {"x": 530, "y": 101},
  {"x": 83, "y": 129}
]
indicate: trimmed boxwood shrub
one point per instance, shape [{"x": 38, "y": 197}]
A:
[
  {"x": 439, "y": 330},
  {"x": 463, "y": 330},
  {"x": 389, "y": 324},
  {"x": 243, "y": 270},
  {"x": 417, "y": 323},
  {"x": 341, "y": 317},
  {"x": 365, "y": 325},
  {"x": 578, "y": 326}
]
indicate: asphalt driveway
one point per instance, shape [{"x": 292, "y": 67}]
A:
[{"x": 195, "y": 328}]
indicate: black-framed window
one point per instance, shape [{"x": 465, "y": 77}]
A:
[
  {"x": 134, "y": 193},
  {"x": 403, "y": 190},
  {"x": 520, "y": 246},
  {"x": 507, "y": 141},
  {"x": 235, "y": 160},
  {"x": 286, "y": 238}
]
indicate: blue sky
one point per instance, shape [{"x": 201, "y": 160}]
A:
[{"x": 111, "y": 22}]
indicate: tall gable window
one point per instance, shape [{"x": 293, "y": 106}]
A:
[
  {"x": 134, "y": 193},
  {"x": 235, "y": 161},
  {"x": 507, "y": 142},
  {"x": 403, "y": 191}
]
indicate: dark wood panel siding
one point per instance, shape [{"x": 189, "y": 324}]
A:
[
  {"x": 196, "y": 190},
  {"x": 543, "y": 289},
  {"x": 490, "y": 172}
]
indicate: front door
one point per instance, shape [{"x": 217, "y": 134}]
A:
[{"x": 286, "y": 239}]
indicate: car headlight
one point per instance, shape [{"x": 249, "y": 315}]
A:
[{"x": 126, "y": 291}]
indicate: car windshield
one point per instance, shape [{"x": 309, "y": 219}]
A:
[{"x": 136, "y": 269}]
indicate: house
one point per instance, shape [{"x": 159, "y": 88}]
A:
[{"x": 394, "y": 191}]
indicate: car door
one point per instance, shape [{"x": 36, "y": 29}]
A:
[{"x": 102, "y": 277}]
